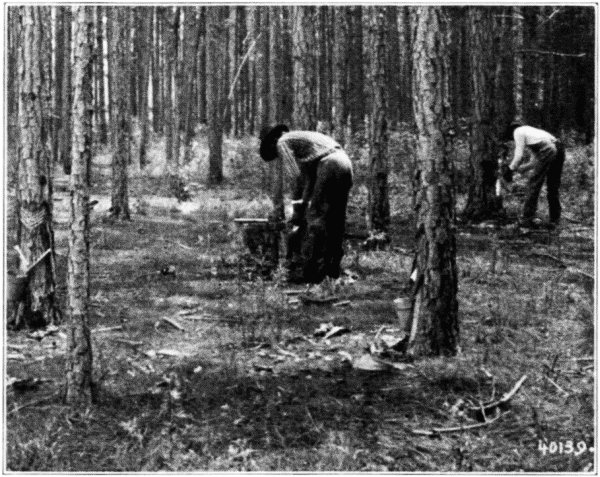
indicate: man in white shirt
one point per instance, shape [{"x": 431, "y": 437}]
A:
[
  {"x": 545, "y": 165},
  {"x": 322, "y": 178}
]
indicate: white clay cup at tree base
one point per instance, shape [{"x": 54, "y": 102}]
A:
[{"x": 403, "y": 306}]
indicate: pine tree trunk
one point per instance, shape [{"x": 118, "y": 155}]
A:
[
  {"x": 482, "y": 202},
  {"x": 435, "y": 307},
  {"x": 157, "y": 114},
  {"x": 215, "y": 62},
  {"x": 190, "y": 50},
  {"x": 323, "y": 78},
  {"x": 177, "y": 87},
  {"x": 275, "y": 66},
  {"x": 303, "y": 52},
  {"x": 59, "y": 38},
  {"x": 262, "y": 65},
  {"x": 168, "y": 72},
  {"x": 356, "y": 94},
  {"x": 121, "y": 113},
  {"x": 102, "y": 127},
  {"x": 66, "y": 135},
  {"x": 392, "y": 66},
  {"x": 79, "y": 346},
  {"x": 378, "y": 147},
  {"x": 39, "y": 307},
  {"x": 340, "y": 72},
  {"x": 405, "y": 72},
  {"x": 517, "y": 34},
  {"x": 12, "y": 86},
  {"x": 233, "y": 62},
  {"x": 145, "y": 53},
  {"x": 202, "y": 68}
]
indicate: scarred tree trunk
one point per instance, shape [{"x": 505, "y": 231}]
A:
[
  {"x": 435, "y": 307},
  {"x": 379, "y": 194},
  {"x": 79, "y": 346},
  {"x": 39, "y": 306},
  {"x": 303, "y": 52},
  {"x": 120, "y": 116},
  {"x": 482, "y": 202}
]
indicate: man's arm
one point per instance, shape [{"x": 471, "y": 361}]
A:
[{"x": 519, "y": 149}]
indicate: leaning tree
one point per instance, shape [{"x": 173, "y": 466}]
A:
[{"x": 435, "y": 307}]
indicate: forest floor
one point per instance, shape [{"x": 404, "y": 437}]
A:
[{"x": 206, "y": 370}]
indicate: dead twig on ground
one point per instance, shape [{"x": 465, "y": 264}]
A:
[
  {"x": 186, "y": 247},
  {"x": 490, "y": 407},
  {"x": 107, "y": 328},
  {"x": 556, "y": 386},
  {"x": 445, "y": 430},
  {"x": 558, "y": 261},
  {"x": 173, "y": 323}
]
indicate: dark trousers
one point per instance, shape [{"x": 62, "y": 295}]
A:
[
  {"x": 548, "y": 168},
  {"x": 316, "y": 249}
]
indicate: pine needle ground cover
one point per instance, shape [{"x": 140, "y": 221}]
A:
[{"x": 202, "y": 367}]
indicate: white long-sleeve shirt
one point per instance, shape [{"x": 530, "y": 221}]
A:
[{"x": 528, "y": 136}]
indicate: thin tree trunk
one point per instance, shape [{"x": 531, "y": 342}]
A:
[
  {"x": 378, "y": 146},
  {"x": 215, "y": 59},
  {"x": 39, "y": 307},
  {"x": 275, "y": 65},
  {"x": 191, "y": 45},
  {"x": 121, "y": 114},
  {"x": 435, "y": 307},
  {"x": 340, "y": 71},
  {"x": 102, "y": 127},
  {"x": 79, "y": 346},
  {"x": 262, "y": 66},
  {"x": 517, "y": 33},
  {"x": 202, "y": 68},
  {"x": 356, "y": 94},
  {"x": 157, "y": 114},
  {"x": 482, "y": 202},
  {"x": 305, "y": 87},
  {"x": 66, "y": 135},
  {"x": 145, "y": 53},
  {"x": 59, "y": 38}
]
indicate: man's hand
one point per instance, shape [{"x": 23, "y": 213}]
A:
[
  {"x": 507, "y": 173},
  {"x": 299, "y": 210}
]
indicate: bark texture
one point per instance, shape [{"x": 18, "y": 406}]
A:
[{"x": 435, "y": 307}]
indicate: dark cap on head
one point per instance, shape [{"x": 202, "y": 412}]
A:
[
  {"x": 517, "y": 123},
  {"x": 268, "y": 141}
]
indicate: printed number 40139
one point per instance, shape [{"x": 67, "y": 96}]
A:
[{"x": 567, "y": 447}]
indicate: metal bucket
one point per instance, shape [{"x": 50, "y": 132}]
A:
[{"x": 403, "y": 307}]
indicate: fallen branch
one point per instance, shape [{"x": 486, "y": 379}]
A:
[
  {"x": 441, "y": 430},
  {"x": 108, "y": 328},
  {"x": 134, "y": 344},
  {"x": 554, "y": 53},
  {"x": 186, "y": 247},
  {"x": 556, "y": 385},
  {"x": 558, "y": 261},
  {"x": 488, "y": 408},
  {"x": 173, "y": 323}
]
